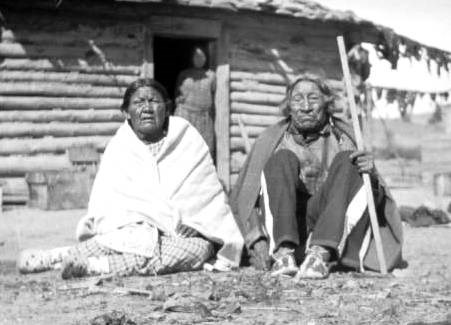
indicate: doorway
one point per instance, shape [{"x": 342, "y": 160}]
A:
[{"x": 173, "y": 55}]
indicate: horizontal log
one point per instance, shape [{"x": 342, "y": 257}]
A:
[
  {"x": 80, "y": 116},
  {"x": 237, "y": 143},
  {"x": 70, "y": 37},
  {"x": 49, "y": 145},
  {"x": 39, "y": 88},
  {"x": 15, "y": 199},
  {"x": 282, "y": 26},
  {"x": 251, "y": 119},
  {"x": 45, "y": 103},
  {"x": 277, "y": 35},
  {"x": 245, "y": 108},
  {"x": 289, "y": 66},
  {"x": 275, "y": 78},
  {"x": 249, "y": 85},
  {"x": 67, "y": 77},
  {"x": 256, "y": 98},
  {"x": 14, "y": 186},
  {"x": 113, "y": 54},
  {"x": 265, "y": 77},
  {"x": 293, "y": 55},
  {"x": 252, "y": 131},
  {"x": 57, "y": 129},
  {"x": 68, "y": 66},
  {"x": 20, "y": 165},
  {"x": 256, "y": 66}
]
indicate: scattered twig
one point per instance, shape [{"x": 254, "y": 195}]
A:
[{"x": 272, "y": 309}]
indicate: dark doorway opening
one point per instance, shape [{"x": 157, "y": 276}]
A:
[{"x": 172, "y": 55}]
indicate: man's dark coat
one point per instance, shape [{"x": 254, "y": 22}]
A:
[{"x": 247, "y": 188}]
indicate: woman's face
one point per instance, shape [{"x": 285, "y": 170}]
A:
[
  {"x": 147, "y": 113},
  {"x": 199, "y": 58}
]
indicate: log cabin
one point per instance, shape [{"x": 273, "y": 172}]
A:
[{"x": 64, "y": 66}]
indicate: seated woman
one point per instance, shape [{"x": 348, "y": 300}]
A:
[{"x": 156, "y": 205}]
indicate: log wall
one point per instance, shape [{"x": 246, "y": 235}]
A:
[
  {"x": 61, "y": 85},
  {"x": 263, "y": 60},
  {"x": 61, "y": 82}
]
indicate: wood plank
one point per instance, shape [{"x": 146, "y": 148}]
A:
[
  {"x": 222, "y": 105},
  {"x": 248, "y": 85},
  {"x": 113, "y": 54},
  {"x": 40, "y": 88},
  {"x": 249, "y": 61},
  {"x": 253, "y": 97},
  {"x": 49, "y": 144},
  {"x": 148, "y": 65},
  {"x": 298, "y": 55},
  {"x": 73, "y": 77},
  {"x": 45, "y": 103},
  {"x": 271, "y": 78},
  {"x": 57, "y": 129},
  {"x": 264, "y": 77},
  {"x": 252, "y": 131},
  {"x": 80, "y": 116},
  {"x": 254, "y": 120},
  {"x": 14, "y": 186},
  {"x": 68, "y": 65},
  {"x": 184, "y": 26},
  {"x": 20, "y": 165},
  {"x": 246, "y": 108},
  {"x": 75, "y": 36}
]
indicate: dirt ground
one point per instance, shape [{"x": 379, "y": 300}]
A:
[{"x": 419, "y": 294}]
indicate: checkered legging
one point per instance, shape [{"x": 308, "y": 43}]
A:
[{"x": 175, "y": 255}]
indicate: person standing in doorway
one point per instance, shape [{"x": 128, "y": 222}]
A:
[{"x": 194, "y": 97}]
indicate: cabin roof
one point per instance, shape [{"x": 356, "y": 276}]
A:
[
  {"x": 296, "y": 8},
  {"x": 389, "y": 44}
]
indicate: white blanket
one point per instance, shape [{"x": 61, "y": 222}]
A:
[{"x": 177, "y": 186}]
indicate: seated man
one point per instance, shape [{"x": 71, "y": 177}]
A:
[
  {"x": 156, "y": 206},
  {"x": 301, "y": 186}
]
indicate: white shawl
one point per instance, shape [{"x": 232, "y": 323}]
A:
[{"x": 177, "y": 186}]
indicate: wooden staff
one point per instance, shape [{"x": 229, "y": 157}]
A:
[{"x": 360, "y": 146}]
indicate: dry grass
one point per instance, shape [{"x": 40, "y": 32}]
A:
[{"x": 422, "y": 292}]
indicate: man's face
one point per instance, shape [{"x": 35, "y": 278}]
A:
[
  {"x": 307, "y": 107},
  {"x": 147, "y": 112}
]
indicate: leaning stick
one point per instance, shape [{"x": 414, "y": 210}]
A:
[
  {"x": 360, "y": 146},
  {"x": 244, "y": 135}
]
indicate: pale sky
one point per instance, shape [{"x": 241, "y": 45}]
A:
[{"x": 427, "y": 21}]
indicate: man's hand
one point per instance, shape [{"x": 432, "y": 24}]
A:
[
  {"x": 259, "y": 253},
  {"x": 364, "y": 161}
]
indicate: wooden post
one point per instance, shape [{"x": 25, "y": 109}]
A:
[
  {"x": 148, "y": 67},
  {"x": 222, "y": 105},
  {"x": 360, "y": 146}
]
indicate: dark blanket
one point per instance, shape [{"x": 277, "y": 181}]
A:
[{"x": 246, "y": 191}]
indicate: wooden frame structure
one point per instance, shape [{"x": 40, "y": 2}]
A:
[
  {"x": 173, "y": 26},
  {"x": 63, "y": 70}
]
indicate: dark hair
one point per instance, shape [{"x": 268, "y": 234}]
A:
[
  {"x": 145, "y": 82},
  {"x": 322, "y": 85}
]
